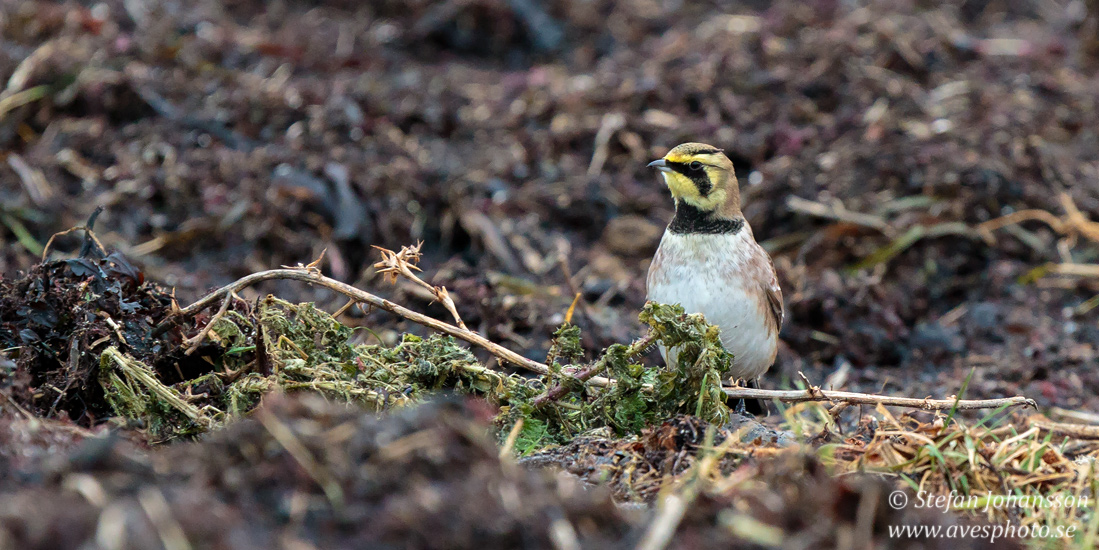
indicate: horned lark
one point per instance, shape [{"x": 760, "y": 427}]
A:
[{"x": 709, "y": 262}]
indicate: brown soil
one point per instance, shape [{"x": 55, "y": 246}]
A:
[
  {"x": 308, "y": 472},
  {"x": 223, "y": 139}
]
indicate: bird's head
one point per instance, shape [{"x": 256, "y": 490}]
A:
[{"x": 701, "y": 176}]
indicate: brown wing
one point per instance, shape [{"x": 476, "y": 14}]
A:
[{"x": 774, "y": 297}]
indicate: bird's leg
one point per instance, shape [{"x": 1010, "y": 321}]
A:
[
  {"x": 741, "y": 407},
  {"x": 748, "y": 408}
]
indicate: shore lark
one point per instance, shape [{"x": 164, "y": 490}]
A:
[{"x": 710, "y": 263}]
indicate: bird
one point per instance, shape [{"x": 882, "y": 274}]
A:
[{"x": 709, "y": 262}]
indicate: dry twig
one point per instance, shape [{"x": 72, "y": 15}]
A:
[
  {"x": 193, "y": 343},
  {"x": 1072, "y": 225},
  {"x": 816, "y": 394},
  {"x": 310, "y": 274},
  {"x": 1078, "y": 431},
  {"x": 363, "y": 297},
  {"x": 837, "y": 211},
  {"x": 34, "y": 181}
]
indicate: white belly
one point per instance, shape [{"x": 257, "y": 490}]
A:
[{"x": 695, "y": 273}]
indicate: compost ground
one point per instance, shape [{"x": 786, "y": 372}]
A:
[{"x": 511, "y": 137}]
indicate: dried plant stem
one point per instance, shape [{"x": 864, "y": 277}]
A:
[
  {"x": 927, "y": 404},
  {"x": 1079, "y": 431},
  {"x": 361, "y": 296},
  {"x": 1075, "y": 270},
  {"x": 513, "y": 436},
  {"x": 836, "y": 211},
  {"x": 1072, "y": 224},
  {"x": 668, "y": 517},
  {"x": 310, "y": 274},
  {"x": 300, "y": 453},
  {"x": 135, "y": 372},
  {"x": 193, "y": 343},
  {"x": 89, "y": 235}
]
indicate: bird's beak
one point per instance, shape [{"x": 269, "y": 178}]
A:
[{"x": 660, "y": 164}]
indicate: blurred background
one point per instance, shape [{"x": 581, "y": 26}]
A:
[{"x": 871, "y": 140}]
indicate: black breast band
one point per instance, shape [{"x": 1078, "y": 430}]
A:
[{"x": 689, "y": 219}]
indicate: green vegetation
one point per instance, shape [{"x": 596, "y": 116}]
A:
[{"x": 302, "y": 347}]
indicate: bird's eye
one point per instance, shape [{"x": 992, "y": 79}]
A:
[{"x": 695, "y": 165}]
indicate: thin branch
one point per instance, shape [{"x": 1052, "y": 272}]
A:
[
  {"x": 193, "y": 343},
  {"x": 836, "y": 211},
  {"x": 312, "y": 276},
  {"x": 361, "y": 296},
  {"x": 1073, "y": 223},
  {"x": 1078, "y": 431},
  {"x": 816, "y": 394}
]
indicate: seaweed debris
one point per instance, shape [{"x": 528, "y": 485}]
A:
[
  {"x": 663, "y": 436},
  {"x": 637, "y": 468},
  {"x": 102, "y": 353},
  {"x": 55, "y": 316},
  {"x": 970, "y": 468},
  {"x": 82, "y": 335}
]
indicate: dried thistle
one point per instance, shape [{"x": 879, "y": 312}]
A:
[{"x": 401, "y": 264}]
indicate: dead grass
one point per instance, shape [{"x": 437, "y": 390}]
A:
[{"x": 998, "y": 469}]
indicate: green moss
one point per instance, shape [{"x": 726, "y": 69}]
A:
[
  {"x": 133, "y": 391},
  {"x": 307, "y": 349},
  {"x": 565, "y": 346},
  {"x": 534, "y": 435},
  {"x": 230, "y": 329},
  {"x": 641, "y": 396}
]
